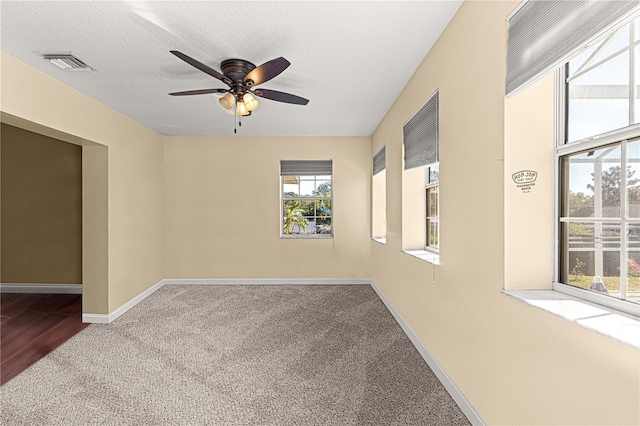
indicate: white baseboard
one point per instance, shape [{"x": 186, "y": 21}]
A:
[
  {"x": 96, "y": 318},
  {"x": 437, "y": 369},
  {"x": 40, "y": 288},
  {"x": 266, "y": 281},
  {"x": 108, "y": 318}
]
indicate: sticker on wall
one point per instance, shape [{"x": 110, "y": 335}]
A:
[{"x": 525, "y": 180}]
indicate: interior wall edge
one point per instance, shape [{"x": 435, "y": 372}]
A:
[
  {"x": 115, "y": 314},
  {"x": 43, "y": 130}
]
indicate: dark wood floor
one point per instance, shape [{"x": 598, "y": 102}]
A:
[{"x": 34, "y": 325}]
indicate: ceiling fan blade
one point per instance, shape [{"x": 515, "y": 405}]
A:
[
  {"x": 274, "y": 95},
  {"x": 202, "y": 67},
  {"x": 199, "y": 92},
  {"x": 267, "y": 71}
]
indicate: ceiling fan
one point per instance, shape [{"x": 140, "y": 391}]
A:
[{"x": 242, "y": 76}]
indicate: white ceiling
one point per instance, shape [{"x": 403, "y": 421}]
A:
[{"x": 350, "y": 59}]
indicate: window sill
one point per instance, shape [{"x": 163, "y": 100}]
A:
[
  {"x": 427, "y": 256},
  {"x": 616, "y": 325},
  {"x": 380, "y": 240},
  {"x": 307, "y": 237}
]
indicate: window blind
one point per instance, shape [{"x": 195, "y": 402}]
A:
[
  {"x": 544, "y": 34},
  {"x": 305, "y": 167},
  {"x": 421, "y": 136},
  {"x": 380, "y": 161}
]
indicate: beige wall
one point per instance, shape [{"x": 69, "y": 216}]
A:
[
  {"x": 131, "y": 231},
  {"x": 41, "y": 209},
  {"x": 515, "y": 364},
  {"x": 222, "y": 209},
  {"x": 414, "y": 210},
  {"x": 528, "y": 221}
]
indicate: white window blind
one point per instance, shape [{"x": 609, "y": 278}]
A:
[
  {"x": 544, "y": 34},
  {"x": 421, "y": 136},
  {"x": 305, "y": 167},
  {"x": 380, "y": 161}
]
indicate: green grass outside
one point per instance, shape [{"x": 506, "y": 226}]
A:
[{"x": 612, "y": 283}]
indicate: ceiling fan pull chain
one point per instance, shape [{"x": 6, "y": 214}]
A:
[{"x": 235, "y": 120}]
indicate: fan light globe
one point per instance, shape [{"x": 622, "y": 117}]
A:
[
  {"x": 250, "y": 102},
  {"x": 226, "y": 101},
  {"x": 241, "y": 109}
]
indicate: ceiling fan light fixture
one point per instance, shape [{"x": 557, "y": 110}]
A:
[
  {"x": 227, "y": 101},
  {"x": 241, "y": 109},
  {"x": 250, "y": 102}
]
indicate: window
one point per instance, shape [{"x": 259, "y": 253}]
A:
[
  {"x": 420, "y": 183},
  {"x": 307, "y": 201},
  {"x": 599, "y": 170},
  {"x": 600, "y": 85},
  {"x": 543, "y": 35},
  {"x": 379, "y": 197},
  {"x": 432, "y": 188}
]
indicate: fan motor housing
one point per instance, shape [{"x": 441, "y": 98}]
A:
[{"x": 236, "y": 69}]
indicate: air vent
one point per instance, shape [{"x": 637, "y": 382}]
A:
[{"x": 67, "y": 62}]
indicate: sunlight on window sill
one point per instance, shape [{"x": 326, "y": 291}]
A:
[
  {"x": 616, "y": 325},
  {"x": 380, "y": 240},
  {"x": 427, "y": 256},
  {"x": 306, "y": 236}
]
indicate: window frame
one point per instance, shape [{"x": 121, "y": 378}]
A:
[
  {"x": 284, "y": 199},
  {"x": 382, "y": 239},
  {"x": 420, "y": 151},
  {"x": 431, "y": 186},
  {"x": 563, "y": 148}
]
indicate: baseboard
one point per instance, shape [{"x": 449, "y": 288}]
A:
[
  {"x": 40, "y": 288},
  {"x": 108, "y": 318},
  {"x": 96, "y": 318},
  {"x": 267, "y": 281},
  {"x": 437, "y": 369}
]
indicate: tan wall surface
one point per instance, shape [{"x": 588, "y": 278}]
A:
[
  {"x": 529, "y": 126},
  {"x": 414, "y": 210},
  {"x": 223, "y": 213},
  {"x": 41, "y": 209},
  {"x": 135, "y": 181},
  {"x": 515, "y": 364}
]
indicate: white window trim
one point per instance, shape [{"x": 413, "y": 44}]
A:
[
  {"x": 563, "y": 149},
  {"x": 428, "y": 186},
  {"x": 619, "y": 326}
]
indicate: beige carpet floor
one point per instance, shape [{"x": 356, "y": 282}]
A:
[{"x": 236, "y": 355}]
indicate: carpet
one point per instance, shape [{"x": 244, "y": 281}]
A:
[{"x": 236, "y": 355}]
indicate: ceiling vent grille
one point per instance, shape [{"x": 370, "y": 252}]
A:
[{"x": 67, "y": 62}]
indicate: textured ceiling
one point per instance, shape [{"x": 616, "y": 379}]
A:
[{"x": 350, "y": 59}]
